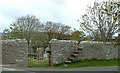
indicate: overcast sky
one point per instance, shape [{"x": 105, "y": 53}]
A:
[{"x": 64, "y": 11}]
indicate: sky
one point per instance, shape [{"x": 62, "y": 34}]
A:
[{"x": 64, "y": 11}]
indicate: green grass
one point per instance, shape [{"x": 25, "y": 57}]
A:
[
  {"x": 117, "y": 72},
  {"x": 88, "y": 63},
  {"x": 37, "y": 63}
]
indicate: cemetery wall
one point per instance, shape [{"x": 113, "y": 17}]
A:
[
  {"x": 14, "y": 52},
  {"x": 98, "y": 50},
  {"x": 0, "y": 56},
  {"x": 62, "y": 50}
]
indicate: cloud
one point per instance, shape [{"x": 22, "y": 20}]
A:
[
  {"x": 3, "y": 21},
  {"x": 64, "y": 11},
  {"x": 60, "y": 1}
]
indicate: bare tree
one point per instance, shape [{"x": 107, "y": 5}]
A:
[
  {"x": 102, "y": 20},
  {"x": 25, "y": 26},
  {"x": 51, "y": 28}
]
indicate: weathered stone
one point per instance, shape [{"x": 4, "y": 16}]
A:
[
  {"x": 62, "y": 50},
  {"x": 98, "y": 50},
  {"x": 39, "y": 53},
  {"x": 0, "y": 56},
  {"x": 14, "y": 52}
]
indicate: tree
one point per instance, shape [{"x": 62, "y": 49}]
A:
[
  {"x": 25, "y": 26},
  {"x": 102, "y": 20},
  {"x": 52, "y": 30},
  {"x": 76, "y": 35},
  {"x": 6, "y": 31},
  {"x": 56, "y": 30},
  {"x": 5, "y": 34},
  {"x": 40, "y": 39},
  {"x": 88, "y": 38}
]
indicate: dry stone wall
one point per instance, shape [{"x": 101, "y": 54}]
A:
[
  {"x": 98, "y": 50},
  {"x": 0, "y": 56},
  {"x": 14, "y": 52},
  {"x": 62, "y": 49}
]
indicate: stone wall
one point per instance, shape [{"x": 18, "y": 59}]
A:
[
  {"x": 62, "y": 49},
  {"x": 0, "y": 56},
  {"x": 14, "y": 52},
  {"x": 98, "y": 50}
]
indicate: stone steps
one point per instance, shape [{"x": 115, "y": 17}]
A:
[
  {"x": 77, "y": 52},
  {"x": 73, "y": 56},
  {"x": 79, "y": 48},
  {"x": 68, "y": 62}
]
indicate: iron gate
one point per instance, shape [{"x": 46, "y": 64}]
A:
[{"x": 37, "y": 58}]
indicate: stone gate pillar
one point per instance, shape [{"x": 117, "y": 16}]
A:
[{"x": 14, "y": 52}]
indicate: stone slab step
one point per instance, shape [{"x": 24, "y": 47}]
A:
[
  {"x": 80, "y": 48},
  {"x": 76, "y": 52},
  {"x": 71, "y": 58},
  {"x": 68, "y": 62},
  {"x": 74, "y": 55}
]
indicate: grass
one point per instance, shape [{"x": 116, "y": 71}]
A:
[
  {"x": 88, "y": 63},
  {"x": 37, "y": 63},
  {"x": 118, "y": 72}
]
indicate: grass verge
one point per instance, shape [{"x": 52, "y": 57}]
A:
[{"x": 89, "y": 63}]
